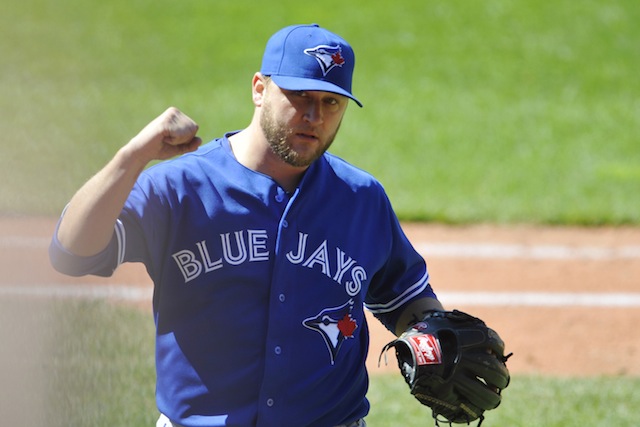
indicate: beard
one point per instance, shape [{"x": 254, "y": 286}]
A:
[{"x": 278, "y": 133}]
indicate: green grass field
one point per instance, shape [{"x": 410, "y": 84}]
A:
[
  {"x": 99, "y": 372},
  {"x": 475, "y": 111}
]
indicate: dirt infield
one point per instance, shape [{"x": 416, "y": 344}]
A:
[{"x": 572, "y": 306}]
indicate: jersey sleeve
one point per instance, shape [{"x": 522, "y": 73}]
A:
[
  {"x": 403, "y": 278},
  {"x": 134, "y": 232},
  {"x": 145, "y": 224},
  {"x": 102, "y": 264}
]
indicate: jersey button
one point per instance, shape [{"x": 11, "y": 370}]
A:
[
  {"x": 281, "y": 298},
  {"x": 270, "y": 402},
  {"x": 279, "y": 198},
  {"x": 277, "y": 350},
  {"x": 285, "y": 224}
]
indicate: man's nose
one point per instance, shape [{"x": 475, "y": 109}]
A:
[{"x": 314, "y": 113}]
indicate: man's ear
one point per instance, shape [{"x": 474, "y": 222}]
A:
[{"x": 258, "y": 88}]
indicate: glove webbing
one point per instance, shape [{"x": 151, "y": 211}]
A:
[{"x": 447, "y": 405}]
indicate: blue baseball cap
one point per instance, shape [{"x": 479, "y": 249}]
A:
[{"x": 308, "y": 57}]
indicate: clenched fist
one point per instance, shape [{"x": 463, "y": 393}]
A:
[{"x": 170, "y": 134}]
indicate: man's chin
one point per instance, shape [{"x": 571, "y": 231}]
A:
[
  {"x": 303, "y": 157},
  {"x": 299, "y": 162}
]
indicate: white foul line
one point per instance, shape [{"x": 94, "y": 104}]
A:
[
  {"x": 24, "y": 242},
  {"x": 481, "y": 299},
  {"x": 539, "y": 299},
  {"x": 83, "y": 291},
  {"x": 512, "y": 251}
]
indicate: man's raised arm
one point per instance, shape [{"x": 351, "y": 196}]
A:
[{"x": 87, "y": 225}]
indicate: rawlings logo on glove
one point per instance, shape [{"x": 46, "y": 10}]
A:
[{"x": 427, "y": 349}]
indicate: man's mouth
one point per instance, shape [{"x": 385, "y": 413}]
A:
[{"x": 307, "y": 136}]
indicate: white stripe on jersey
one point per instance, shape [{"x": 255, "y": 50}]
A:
[
  {"x": 412, "y": 291},
  {"x": 122, "y": 240}
]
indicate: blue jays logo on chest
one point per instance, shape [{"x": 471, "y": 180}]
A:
[
  {"x": 335, "y": 325},
  {"x": 328, "y": 57}
]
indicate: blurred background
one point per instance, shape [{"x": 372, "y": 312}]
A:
[{"x": 507, "y": 111}]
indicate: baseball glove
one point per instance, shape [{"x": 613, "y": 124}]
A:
[{"x": 454, "y": 364}]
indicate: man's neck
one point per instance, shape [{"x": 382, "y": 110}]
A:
[{"x": 253, "y": 152}]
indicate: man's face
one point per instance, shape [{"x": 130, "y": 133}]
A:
[{"x": 300, "y": 125}]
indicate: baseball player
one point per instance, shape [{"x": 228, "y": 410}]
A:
[{"x": 264, "y": 250}]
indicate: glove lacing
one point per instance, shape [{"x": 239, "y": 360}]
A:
[{"x": 465, "y": 408}]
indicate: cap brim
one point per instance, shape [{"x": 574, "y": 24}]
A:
[{"x": 300, "y": 83}]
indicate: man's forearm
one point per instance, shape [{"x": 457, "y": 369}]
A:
[
  {"x": 87, "y": 225},
  {"x": 415, "y": 312}
]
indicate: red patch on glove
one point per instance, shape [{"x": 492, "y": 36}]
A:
[{"x": 427, "y": 349}]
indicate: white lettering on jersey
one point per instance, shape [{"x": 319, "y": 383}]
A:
[
  {"x": 320, "y": 256},
  {"x": 258, "y": 245},
  {"x": 302, "y": 247},
  {"x": 235, "y": 251},
  {"x": 189, "y": 266},
  {"x": 227, "y": 250},
  {"x": 343, "y": 266},
  {"x": 252, "y": 246},
  {"x": 358, "y": 274},
  {"x": 206, "y": 258}
]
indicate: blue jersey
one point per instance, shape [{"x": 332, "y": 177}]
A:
[{"x": 259, "y": 295}]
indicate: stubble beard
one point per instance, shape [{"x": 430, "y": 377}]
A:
[{"x": 277, "y": 134}]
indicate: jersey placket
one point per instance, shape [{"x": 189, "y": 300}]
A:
[{"x": 277, "y": 344}]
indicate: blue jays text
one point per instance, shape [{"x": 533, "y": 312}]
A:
[{"x": 251, "y": 246}]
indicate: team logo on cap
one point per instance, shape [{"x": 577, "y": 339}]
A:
[{"x": 328, "y": 57}]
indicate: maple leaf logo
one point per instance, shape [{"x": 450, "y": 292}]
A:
[
  {"x": 347, "y": 325},
  {"x": 337, "y": 58}
]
